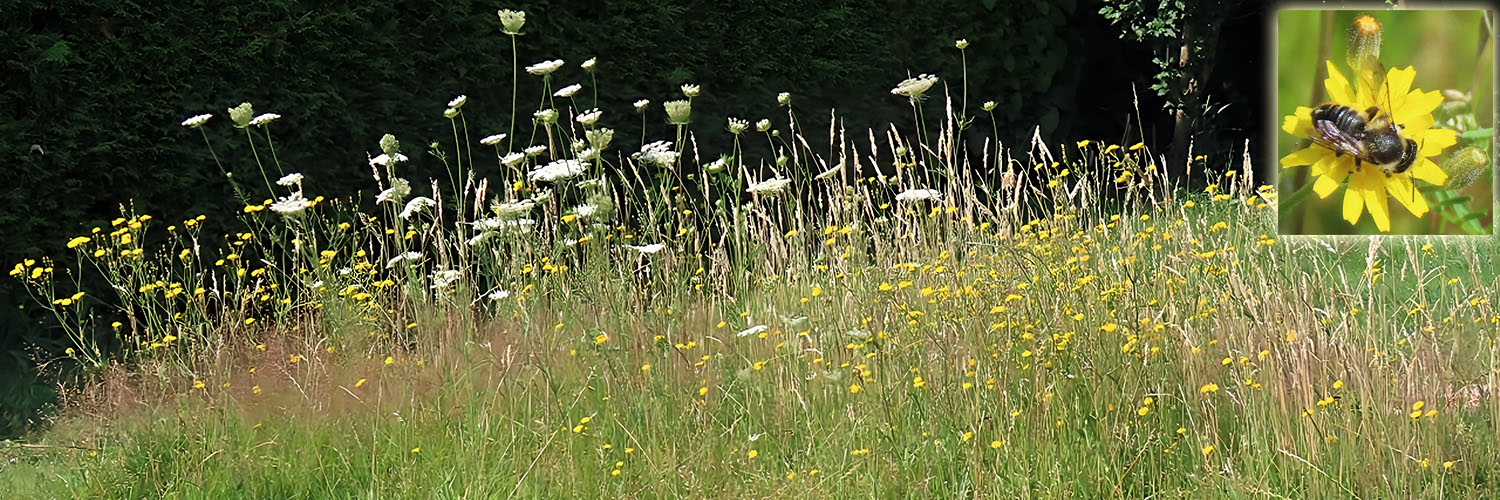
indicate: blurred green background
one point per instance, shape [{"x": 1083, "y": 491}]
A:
[{"x": 1448, "y": 51}]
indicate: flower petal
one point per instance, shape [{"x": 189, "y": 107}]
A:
[
  {"x": 1400, "y": 188},
  {"x": 1434, "y": 141},
  {"x": 1377, "y": 202},
  {"x": 1398, "y": 85},
  {"x": 1417, "y": 104},
  {"x": 1417, "y": 126},
  {"x": 1428, "y": 171},
  {"x": 1338, "y": 87},
  {"x": 1331, "y": 171},
  {"x": 1299, "y": 123},
  {"x": 1305, "y": 156},
  {"x": 1354, "y": 204}
]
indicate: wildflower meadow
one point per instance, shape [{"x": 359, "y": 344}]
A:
[{"x": 901, "y": 311}]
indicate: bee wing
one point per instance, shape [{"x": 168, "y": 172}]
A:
[
  {"x": 1371, "y": 76},
  {"x": 1329, "y": 136}
]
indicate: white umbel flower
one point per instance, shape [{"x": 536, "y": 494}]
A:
[
  {"x": 640, "y": 105},
  {"x": 444, "y": 278},
  {"x": 513, "y": 210},
  {"x": 557, "y": 171},
  {"x": 492, "y": 140},
  {"x": 647, "y": 249},
  {"x": 658, "y": 153},
  {"x": 291, "y": 206},
  {"x": 290, "y": 180},
  {"x": 751, "y": 331},
  {"x": 264, "y": 119},
  {"x": 915, "y": 87},
  {"x": 914, "y": 195},
  {"x": 408, "y": 257},
  {"x": 690, "y": 91},
  {"x": 196, "y": 121},
  {"x": 458, "y": 102},
  {"x": 589, "y": 64},
  {"x": 590, "y": 117},
  {"x": 773, "y": 185},
  {"x": 417, "y": 205},
  {"x": 498, "y": 295},
  {"x": 544, "y": 67},
  {"x": 385, "y": 159},
  {"x": 568, "y": 91},
  {"x": 394, "y": 194},
  {"x": 513, "y": 159},
  {"x": 535, "y": 150},
  {"x": 737, "y": 125},
  {"x": 678, "y": 112}
]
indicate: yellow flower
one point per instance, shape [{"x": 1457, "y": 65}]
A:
[{"x": 1367, "y": 187}]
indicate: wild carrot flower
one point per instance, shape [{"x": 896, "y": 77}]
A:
[
  {"x": 545, "y": 67},
  {"x": 291, "y": 206},
  {"x": 548, "y": 115},
  {"x": 588, "y": 65},
  {"x": 1368, "y": 186},
  {"x": 458, "y": 102},
  {"x": 290, "y": 180},
  {"x": 590, "y": 117},
  {"x": 640, "y": 106},
  {"x": 914, "y": 195},
  {"x": 690, "y": 91},
  {"x": 737, "y": 125},
  {"x": 417, "y": 205},
  {"x": 242, "y": 114},
  {"x": 557, "y": 171},
  {"x": 511, "y": 21},
  {"x": 394, "y": 194},
  {"x": 784, "y": 99},
  {"x": 264, "y": 119},
  {"x": 387, "y": 159},
  {"x": 196, "y": 121},
  {"x": 568, "y": 91},
  {"x": 492, "y": 140},
  {"x": 678, "y": 112},
  {"x": 774, "y": 185},
  {"x": 763, "y": 125},
  {"x": 913, "y": 88}
]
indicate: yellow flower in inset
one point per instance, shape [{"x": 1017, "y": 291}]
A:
[{"x": 1411, "y": 109}]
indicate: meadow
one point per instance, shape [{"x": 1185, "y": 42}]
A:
[{"x": 895, "y": 314}]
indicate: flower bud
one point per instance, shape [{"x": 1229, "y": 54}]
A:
[
  {"x": 242, "y": 114},
  {"x": 763, "y": 125},
  {"x": 784, "y": 99},
  {"x": 678, "y": 112},
  {"x": 989, "y": 105},
  {"x": 961, "y": 44},
  {"x": 389, "y": 145},
  {"x": 1364, "y": 44},
  {"x": 1465, "y": 166},
  {"x": 512, "y": 20}
]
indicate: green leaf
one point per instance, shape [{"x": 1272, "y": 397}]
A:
[
  {"x": 988, "y": 4},
  {"x": 1478, "y": 133},
  {"x": 1454, "y": 201}
]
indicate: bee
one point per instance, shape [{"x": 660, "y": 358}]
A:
[{"x": 1370, "y": 136}]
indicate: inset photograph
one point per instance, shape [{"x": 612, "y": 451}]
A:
[{"x": 1385, "y": 122}]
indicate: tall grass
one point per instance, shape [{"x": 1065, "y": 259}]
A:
[{"x": 1048, "y": 321}]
